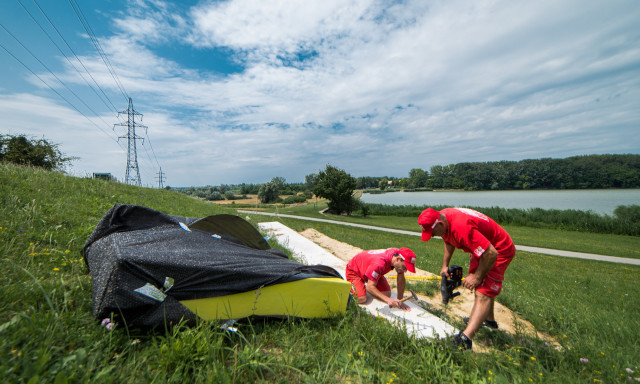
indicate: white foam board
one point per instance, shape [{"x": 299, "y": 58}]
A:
[{"x": 417, "y": 321}]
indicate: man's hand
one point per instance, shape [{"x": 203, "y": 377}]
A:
[
  {"x": 445, "y": 270},
  {"x": 486, "y": 262},
  {"x": 395, "y": 303},
  {"x": 471, "y": 281}
]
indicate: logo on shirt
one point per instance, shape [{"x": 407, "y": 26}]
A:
[
  {"x": 473, "y": 213},
  {"x": 375, "y": 275},
  {"x": 479, "y": 251}
]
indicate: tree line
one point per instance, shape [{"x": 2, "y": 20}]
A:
[
  {"x": 578, "y": 172},
  {"x": 337, "y": 186}
]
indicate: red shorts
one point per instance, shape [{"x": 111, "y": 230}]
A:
[
  {"x": 358, "y": 285},
  {"x": 492, "y": 283},
  {"x": 489, "y": 287}
]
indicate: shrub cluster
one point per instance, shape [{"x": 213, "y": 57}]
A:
[{"x": 625, "y": 221}]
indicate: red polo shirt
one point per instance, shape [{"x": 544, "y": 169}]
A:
[
  {"x": 371, "y": 265},
  {"x": 473, "y": 232}
]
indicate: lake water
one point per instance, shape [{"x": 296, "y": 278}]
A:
[{"x": 602, "y": 201}]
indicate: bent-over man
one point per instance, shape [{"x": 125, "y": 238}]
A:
[
  {"x": 366, "y": 270},
  {"x": 491, "y": 250}
]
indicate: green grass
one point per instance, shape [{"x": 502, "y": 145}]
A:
[
  {"x": 48, "y": 333},
  {"x": 598, "y": 243}
]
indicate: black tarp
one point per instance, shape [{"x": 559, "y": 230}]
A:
[{"x": 143, "y": 262}]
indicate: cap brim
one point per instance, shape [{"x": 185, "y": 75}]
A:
[
  {"x": 410, "y": 267},
  {"x": 426, "y": 236}
]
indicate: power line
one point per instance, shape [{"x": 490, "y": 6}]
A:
[
  {"x": 57, "y": 93},
  {"x": 113, "y": 107},
  {"x": 50, "y": 71},
  {"x": 152, "y": 151},
  {"x": 96, "y": 43},
  {"x": 133, "y": 170}
]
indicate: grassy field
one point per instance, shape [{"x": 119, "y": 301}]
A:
[
  {"x": 602, "y": 244},
  {"x": 48, "y": 334}
]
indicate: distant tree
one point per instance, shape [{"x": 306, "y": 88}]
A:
[
  {"x": 269, "y": 191},
  {"x": 337, "y": 186},
  {"x": 383, "y": 183},
  {"x": 310, "y": 181},
  {"x": 418, "y": 178},
  {"x": 215, "y": 195},
  {"x": 280, "y": 183},
  {"x": 38, "y": 153}
]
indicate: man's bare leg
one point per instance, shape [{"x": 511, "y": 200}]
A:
[
  {"x": 482, "y": 307},
  {"x": 491, "y": 316}
]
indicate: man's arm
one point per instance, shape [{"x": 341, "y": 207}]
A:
[
  {"x": 486, "y": 262},
  {"x": 375, "y": 292},
  {"x": 446, "y": 259},
  {"x": 400, "y": 284}
]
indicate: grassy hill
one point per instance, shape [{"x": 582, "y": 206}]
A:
[{"x": 48, "y": 334}]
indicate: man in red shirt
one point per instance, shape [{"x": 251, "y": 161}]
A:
[
  {"x": 491, "y": 250},
  {"x": 366, "y": 270}
]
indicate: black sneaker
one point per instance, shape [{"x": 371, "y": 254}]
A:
[
  {"x": 462, "y": 342},
  {"x": 491, "y": 324},
  {"x": 487, "y": 323}
]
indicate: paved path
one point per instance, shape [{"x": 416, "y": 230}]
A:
[{"x": 546, "y": 251}]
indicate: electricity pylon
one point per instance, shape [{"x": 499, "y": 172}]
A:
[
  {"x": 160, "y": 179},
  {"x": 132, "y": 175}
]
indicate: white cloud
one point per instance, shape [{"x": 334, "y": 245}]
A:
[{"x": 379, "y": 88}]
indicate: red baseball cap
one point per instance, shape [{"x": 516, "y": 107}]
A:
[
  {"x": 428, "y": 220},
  {"x": 409, "y": 259}
]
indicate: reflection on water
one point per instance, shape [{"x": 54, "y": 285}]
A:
[{"x": 602, "y": 201}]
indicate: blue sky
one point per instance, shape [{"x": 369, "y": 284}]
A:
[{"x": 247, "y": 90}]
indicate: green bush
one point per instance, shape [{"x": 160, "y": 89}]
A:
[
  {"x": 215, "y": 195},
  {"x": 38, "y": 153},
  {"x": 295, "y": 199}
]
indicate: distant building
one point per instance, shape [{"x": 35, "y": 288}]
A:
[{"x": 104, "y": 176}]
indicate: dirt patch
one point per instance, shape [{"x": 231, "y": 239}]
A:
[
  {"x": 254, "y": 200},
  {"x": 251, "y": 199},
  {"x": 460, "y": 307}
]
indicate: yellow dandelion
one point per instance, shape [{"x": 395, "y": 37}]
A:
[
  {"x": 602, "y": 353},
  {"x": 56, "y": 269},
  {"x": 491, "y": 373},
  {"x": 360, "y": 353},
  {"x": 531, "y": 380},
  {"x": 564, "y": 336},
  {"x": 67, "y": 251},
  {"x": 394, "y": 375},
  {"x": 533, "y": 358},
  {"x": 540, "y": 373}
]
